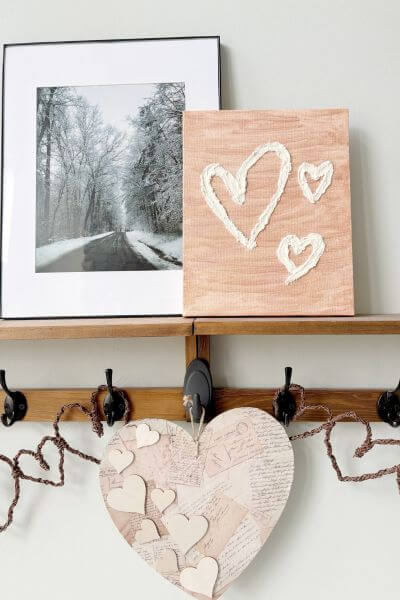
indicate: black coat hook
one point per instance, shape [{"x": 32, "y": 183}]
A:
[
  {"x": 114, "y": 402},
  {"x": 198, "y": 387},
  {"x": 15, "y": 404},
  {"x": 285, "y": 404},
  {"x": 388, "y": 406}
]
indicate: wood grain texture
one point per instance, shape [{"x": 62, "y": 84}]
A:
[
  {"x": 43, "y": 404},
  {"x": 166, "y": 403},
  {"x": 363, "y": 402},
  {"x": 358, "y": 325},
  {"x": 52, "y": 329},
  {"x": 197, "y": 346},
  {"x": 221, "y": 276}
]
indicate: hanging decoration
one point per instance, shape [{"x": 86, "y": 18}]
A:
[
  {"x": 182, "y": 492},
  {"x": 199, "y": 510}
]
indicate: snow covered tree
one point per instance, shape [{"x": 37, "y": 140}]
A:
[{"x": 152, "y": 181}]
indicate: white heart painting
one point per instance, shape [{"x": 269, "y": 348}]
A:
[
  {"x": 324, "y": 172},
  {"x": 205, "y": 516},
  {"x": 237, "y": 184},
  {"x": 298, "y": 245}
]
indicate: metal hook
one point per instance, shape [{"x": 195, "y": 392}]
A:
[
  {"x": 285, "y": 404},
  {"x": 114, "y": 402},
  {"x": 15, "y": 404},
  {"x": 388, "y": 406},
  {"x": 198, "y": 388}
]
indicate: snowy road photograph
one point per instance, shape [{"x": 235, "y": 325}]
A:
[{"x": 109, "y": 178}]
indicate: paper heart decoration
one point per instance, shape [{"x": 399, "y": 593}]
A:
[
  {"x": 324, "y": 171},
  {"x": 162, "y": 498},
  {"x": 145, "y": 437},
  {"x": 129, "y": 498},
  {"x": 228, "y": 498},
  {"x": 167, "y": 563},
  {"x": 298, "y": 245},
  {"x": 147, "y": 533},
  {"x": 120, "y": 459},
  {"x": 186, "y": 532},
  {"x": 237, "y": 185},
  {"x": 201, "y": 579}
]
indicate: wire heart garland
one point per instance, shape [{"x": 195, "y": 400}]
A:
[
  {"x": 62, "y": 445},
  {"x": 368, "y": 444},
  {"x": 94, "y": 417}
]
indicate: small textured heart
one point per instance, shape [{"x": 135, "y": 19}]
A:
[
  {"x": 298, "y": 245},
  {"x": 201, "y": 579},
  {"x": 120, "y": 459},
  {"x": 147, "y": 533},
  {"x": 323, "y": 172},
  {"x": 131, "y": 497},
  {"x": 145, "y": 436},
  {"x": 162, "y": 498}
]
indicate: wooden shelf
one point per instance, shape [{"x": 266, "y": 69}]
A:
[
  {"x": 358, "y": 325},
  {"x": 57, "y": 329},
  {"x": 126, "y": 327}
]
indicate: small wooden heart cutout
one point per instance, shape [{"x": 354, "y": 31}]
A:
[
  {"x": 162, "y": 498},
  {"x": 201, "y": 579},
  {"x": 147, "y": 533},
  {"x": 186, "y": 532},
  {"x": 120, "y": 459},
  {"x": 129, "y": 498},
  {"x": 167, "y": 562},
  {"x": 227, "y": 499},
  {"x": 146, "y": 437}
]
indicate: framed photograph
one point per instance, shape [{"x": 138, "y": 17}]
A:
[
  {"x": 267, "y": 213},
  {"x": 92, "y": 173}
]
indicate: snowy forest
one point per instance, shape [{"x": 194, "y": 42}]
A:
[{"x": 109, "y": 177}]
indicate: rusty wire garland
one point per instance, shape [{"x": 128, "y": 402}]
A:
[
  {"x": 94, "y": 417},
  {"x": 368, "y": 444},
  {"x": 61, "y": 444}
]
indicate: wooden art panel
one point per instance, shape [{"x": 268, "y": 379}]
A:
[
  {"x": 198, "y": 513},
  {"x": 267, "y": 215}
]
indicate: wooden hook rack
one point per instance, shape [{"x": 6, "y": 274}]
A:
[{"x": 167, "y": 402}]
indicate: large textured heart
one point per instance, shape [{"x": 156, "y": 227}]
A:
[
  {"x": 227, "y": 496},
  {"x": 298, "y": 245},
  {"x": 237, "y": 185}
]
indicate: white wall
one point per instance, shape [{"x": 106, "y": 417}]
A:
[{"x": 334, "y": 539}]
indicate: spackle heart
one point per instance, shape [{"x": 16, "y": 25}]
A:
[
  {"x": 237, "y": 185},
  {"x": 298, "y": 245},
  {"x": 227, "y": 499},
  {"x": 324, "y": 172}
]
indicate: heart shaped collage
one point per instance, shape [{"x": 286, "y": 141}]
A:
[
  {"x": 198, "y": 516},
  {"x": 237, "y": 185}
]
